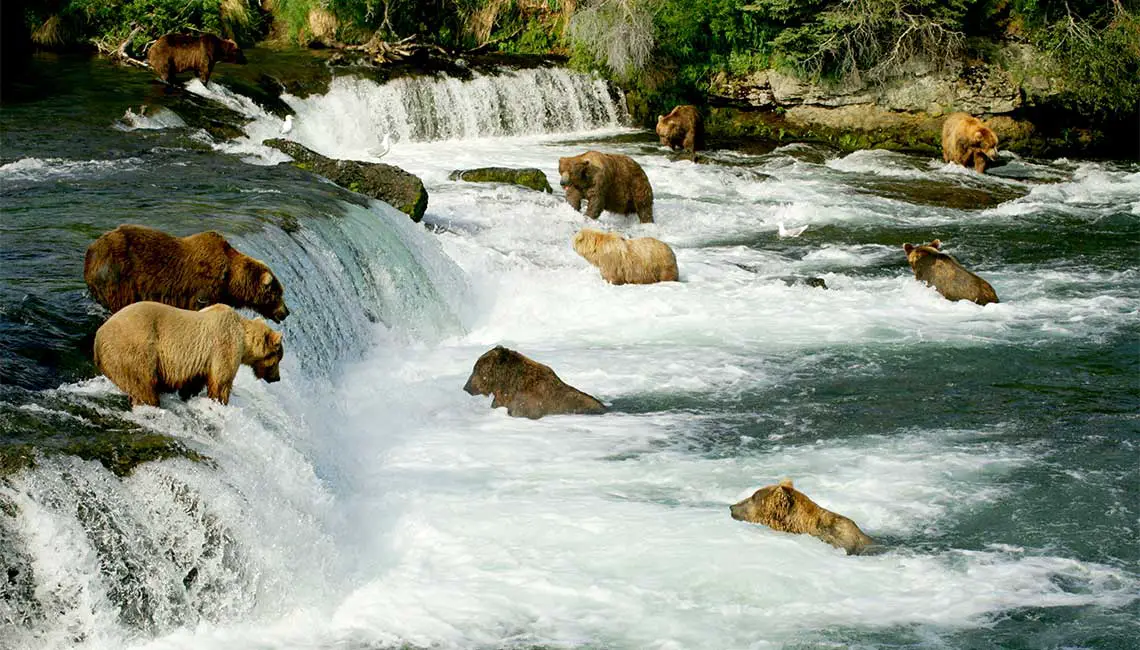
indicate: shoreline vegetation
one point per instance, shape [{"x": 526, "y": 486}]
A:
[{"x": 1054, "y": 77}]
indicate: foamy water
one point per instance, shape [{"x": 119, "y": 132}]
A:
[{"x": 380, "y": 505}]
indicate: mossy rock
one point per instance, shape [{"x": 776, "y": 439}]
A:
[
  {"x": 528, "y": 177},
  {"x": 392, "y": 185}
]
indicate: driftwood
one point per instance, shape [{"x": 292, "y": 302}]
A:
[
  {"x": 382, "y": 51},
  {"x": 119, "y": 53}
]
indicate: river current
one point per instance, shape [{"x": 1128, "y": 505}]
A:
[{"x": 366, "y": 501}]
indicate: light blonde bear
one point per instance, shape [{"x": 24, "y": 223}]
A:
[
  {"x": 644, "y": 260},
  {"x": 148, "y": 348},
  {"x": 784, "y": 508}
]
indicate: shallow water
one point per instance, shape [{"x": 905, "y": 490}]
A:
[{"x": 366, "y": 501}]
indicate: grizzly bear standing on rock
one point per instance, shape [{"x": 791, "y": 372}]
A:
[
  {"x": 608, "y": 182},
  {"x": 966, "y": 140},
  {"x": 149, "y": 348},
  {"x": 526, "y": 387},
  {"x": 682, "y": 129},
  {"x": 644, "y": 260},
  {"x": 176, "y": 53},
  {"x": 784, "y": 508},
  {"x": 135, "y": 263},
  {"x": 946, "y": 275}
]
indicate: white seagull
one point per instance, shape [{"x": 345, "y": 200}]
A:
[
  {"x": 791, "y": 232},
  {"x": 385, "y": 144},
  {"x": 288, "y": 125}
]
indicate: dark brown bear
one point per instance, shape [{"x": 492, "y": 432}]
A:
[
  {"x": 526, "y": 387},
  {"x": 784, "y": 508},
  {"x": 135, "y": 263},
  {"x": 682, "y": 128},
  {"x": 945, "y": 274},
  {"x": 608, "y": 182},
  {"x": 176, "y": 53},
  {"x": 966, "y": 140}
]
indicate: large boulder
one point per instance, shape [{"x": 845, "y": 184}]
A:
[
  {"x": 528, "y": 177},
  {"x": 392, "y": 185}
]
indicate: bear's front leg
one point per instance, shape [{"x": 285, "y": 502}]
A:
[
  {"x": 594, "y": 204},
  {"x": 979, "y": 163},
  {"x": 574, "y": 198}
]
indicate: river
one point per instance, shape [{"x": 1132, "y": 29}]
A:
[{"x": 366, "y": 501}]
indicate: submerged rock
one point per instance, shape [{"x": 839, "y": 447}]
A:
[
  {"x": 390, "y": 184},
  {"x": 526, "y": 387},
  {"x": 528, "y": 177}
]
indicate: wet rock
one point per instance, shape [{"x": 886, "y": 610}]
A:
[
  {"x": 526, "y": 387},
  {"x": 528, "y": 177},
  {"x": 390, "y": 184}
]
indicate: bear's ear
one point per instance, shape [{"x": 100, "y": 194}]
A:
[
  {"x": 936, "y": 244},
  {"x": 266, "y": 278},
  {"x": 908, "y": 248},
  {"x": 660, "y": 117},
  {"x": 274, "y": 338},
  {"x": 786, "y": 483}
]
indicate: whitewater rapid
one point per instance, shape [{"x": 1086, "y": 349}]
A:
[{"x": 378, "y": 505}]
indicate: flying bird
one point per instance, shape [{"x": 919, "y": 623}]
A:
[{"x": 791, "y": 232}]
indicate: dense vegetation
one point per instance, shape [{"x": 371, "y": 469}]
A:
[{"x": 669, "y": 49}]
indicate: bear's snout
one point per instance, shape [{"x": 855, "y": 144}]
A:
[
  {"x": 737, "y": 510},
  {"x": 564, "y": 180},
  {"x": 280, "y": 313}
]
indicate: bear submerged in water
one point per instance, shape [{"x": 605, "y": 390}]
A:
[
  {"x": 526, "y": 387},
  {"x": 784, "y": 508}
]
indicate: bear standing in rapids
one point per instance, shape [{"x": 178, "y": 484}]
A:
[
  {"x": 682, "y": 129},
  {"x": 149, "y": 348},
  {"x": 966, "y": 140},
  {"x": 174, "y": 53},
  {"x": 946, "y": 275},
  {"x": 135, "y": 263},
  {"x": 784, "y": 508},
  {"x": 644, "y": 260},
  {"x": 608, "y": 182}
]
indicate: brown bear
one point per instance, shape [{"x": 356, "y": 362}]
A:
[
  {"x": 134, "y": 263},
  {"x": 174, "y": 53},
  {"x": 946, "y": 275},
  {"x": 526, "y": 387},
  {"x": 149, "y": 348},
  {"x": 784, "y": 508},
  {"x": 966, "y": 140},
  {"x": 644, "y": 260},
  {"x": 682, "y": 129},
  {"x": 608, "y": 182}
]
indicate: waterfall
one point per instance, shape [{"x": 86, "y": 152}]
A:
[
  {"x": 353, "y": 117},
  {"x": 243, "y": 523}
]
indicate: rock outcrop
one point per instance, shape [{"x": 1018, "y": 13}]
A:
[
  {"x": 392, "y": 185},
  {"x": 528, "y": 177}
]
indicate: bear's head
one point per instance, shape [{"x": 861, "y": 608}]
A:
[
  {"x": 263, "y": 350},
  {"x": 262, "y": 290},
  {"x": 914, "y": 254},
  {"x": 589, "y": 242},
  {"x": 230, "y": 52},
  {"x": 575, "y": 171},
  {"x": 670, "y": 130},
  {"x": 768, "y": 505},
  {"x": 984, "y": 141},
  {"x": 490, "y": 371}
]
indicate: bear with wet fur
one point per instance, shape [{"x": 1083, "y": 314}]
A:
[
  {"x": 644, "y": 260},
  {"x": 174, "y": 53},
  {"x": 149, "y": 348},
  {"x": 784, "y": 508},
  {"x": 682, "y": 129},
  {"x": 946, "y": 275},
  {"x": 607, "y": 182},
  {"x": 526, "y": 387},
  {"x": 135, "y": 263},
  {"x": 966, "y": 140}
]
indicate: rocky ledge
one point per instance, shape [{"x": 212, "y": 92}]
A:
[{"x": 903, "y": 112}]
